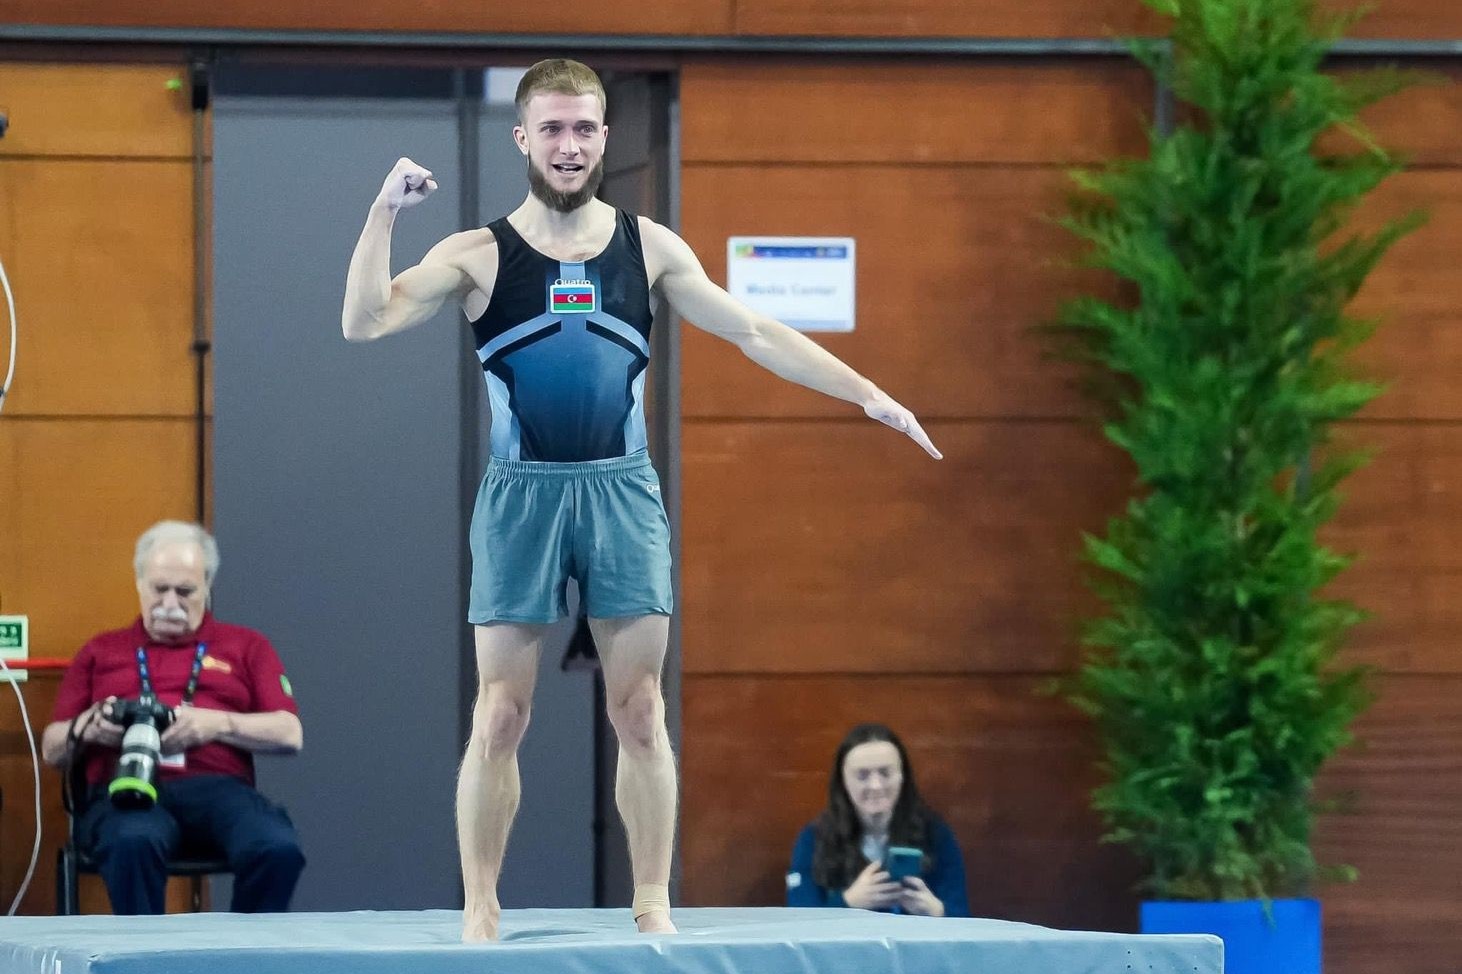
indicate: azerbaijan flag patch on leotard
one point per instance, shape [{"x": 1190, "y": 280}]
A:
[{"x": 572, "y": 298}]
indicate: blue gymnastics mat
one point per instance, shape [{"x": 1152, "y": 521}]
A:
[{"x": 711, "y": 941}]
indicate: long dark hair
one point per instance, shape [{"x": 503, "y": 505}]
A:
[{"x": 837, "y": 858}]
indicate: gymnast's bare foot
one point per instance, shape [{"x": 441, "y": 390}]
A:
[
  {"x": 656, "y": 921},
  {"x": 479, "y": 924}
]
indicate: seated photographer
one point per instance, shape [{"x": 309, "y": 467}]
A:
[
  {"x": 877, "y": 846},
  {"x": 218, "y": 695}
]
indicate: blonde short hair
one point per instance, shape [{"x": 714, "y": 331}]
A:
[{"x": 558, "y": 76}]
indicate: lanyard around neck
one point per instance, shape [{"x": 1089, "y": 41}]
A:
[{"x": 146, "y": 676}]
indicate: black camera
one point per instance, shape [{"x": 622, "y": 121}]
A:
[{"x": 144, "y": 719}]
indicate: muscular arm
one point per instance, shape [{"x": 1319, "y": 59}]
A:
[
  {"x": 767, "y": 342},
  {"x": 378, "y": 305},
  {"x": 774, "y": 346}
]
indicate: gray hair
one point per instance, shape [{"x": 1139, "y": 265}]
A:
[{"x": 164, "y": 532}]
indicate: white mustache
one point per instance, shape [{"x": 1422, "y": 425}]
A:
[{"x": 164, "y": 614}]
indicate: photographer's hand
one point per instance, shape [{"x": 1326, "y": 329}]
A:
[
  {"x": 193, "y": 726},
  {"x": 99, "y": 728}
]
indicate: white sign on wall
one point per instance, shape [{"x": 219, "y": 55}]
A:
[{"x": 805, "y": 282}]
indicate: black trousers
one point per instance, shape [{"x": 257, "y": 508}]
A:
[{"x": 211, "y": 813}]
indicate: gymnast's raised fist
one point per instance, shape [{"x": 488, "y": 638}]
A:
[{"x": 407, "y": 185}]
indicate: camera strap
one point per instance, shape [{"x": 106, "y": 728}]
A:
[{"x": 192, "y": 687}]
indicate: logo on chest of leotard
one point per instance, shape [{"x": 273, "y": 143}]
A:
[{"x": 567, "y": 296}]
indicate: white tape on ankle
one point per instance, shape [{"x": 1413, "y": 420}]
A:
[{"x": 650, "y": 897}]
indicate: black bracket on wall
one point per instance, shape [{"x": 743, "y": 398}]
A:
[{"x": 198, "y": 80}]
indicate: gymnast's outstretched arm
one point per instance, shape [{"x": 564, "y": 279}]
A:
[{"x": 677, "y": 271}]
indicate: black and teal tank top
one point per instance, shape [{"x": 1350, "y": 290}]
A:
[{"x": 564, "y": 348}]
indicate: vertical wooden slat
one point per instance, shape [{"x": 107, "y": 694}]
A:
[{"x": 97, "y": 440}]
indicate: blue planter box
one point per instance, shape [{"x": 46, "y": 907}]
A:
[{"x": 1287, "y": 941}]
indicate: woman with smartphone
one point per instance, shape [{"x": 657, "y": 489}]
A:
[{"x": 877, "y": 846}]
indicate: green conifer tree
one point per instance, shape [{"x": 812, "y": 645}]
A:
[{"x": 1211, "y": 672}]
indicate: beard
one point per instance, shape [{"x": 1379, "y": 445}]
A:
[{"x": 559, "y": 201}]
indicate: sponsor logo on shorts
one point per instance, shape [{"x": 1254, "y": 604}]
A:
[{"x": 653, "y": 488}]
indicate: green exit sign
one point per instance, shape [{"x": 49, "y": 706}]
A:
[
  {"x": 14, "y": 642},
  {"x": 14, "y": 636}
]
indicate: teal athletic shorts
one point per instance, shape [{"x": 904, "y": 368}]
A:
[{"x": 600, "y": 522}]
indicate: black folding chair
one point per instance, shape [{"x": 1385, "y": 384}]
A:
[{"x": 72, "y": 859}]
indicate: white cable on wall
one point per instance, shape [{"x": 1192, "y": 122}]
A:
[
  {"x": 35, "y": 764},
  {"x": 35, "y": 761},
  {"x": 10, "y": 303}
]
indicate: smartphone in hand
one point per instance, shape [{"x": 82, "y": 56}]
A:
[{"x": 902, "y": 862}]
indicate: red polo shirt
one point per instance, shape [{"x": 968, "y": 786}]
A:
[{"x": 241, "y": 673}]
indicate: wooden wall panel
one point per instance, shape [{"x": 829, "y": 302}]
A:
[
  {"x": 1002, "y": 273},
  {"x": 842, "y": 547},
  {"x": 509, "y": 16},
  {"x": 1418, "y": 19},
  {"x": 956, "y": 268},
  {"x": 950, "y": 208},
  {"x": 98, "y": 440},
  {"x": 108, "y": 111},
  {"x": 1403, "y": 515},
  {"x": 1416, "y": 293},
  {"x": 100, "y": 257},
  {"x": 1399, "y": 19},
  {"x": 1008, "y": 768},
  {"x": 855, "y": 574},
  {"x": 1393, "y": 122},
  {"x": 943, "y": 18},
  {"x": 1403, "y": 833},
  {"x": 74, "y": 496},
  {"x": 836, "y": 112},
  {"x": 1000, "y": 519},
  {"x": 1404, "y": 19}
]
